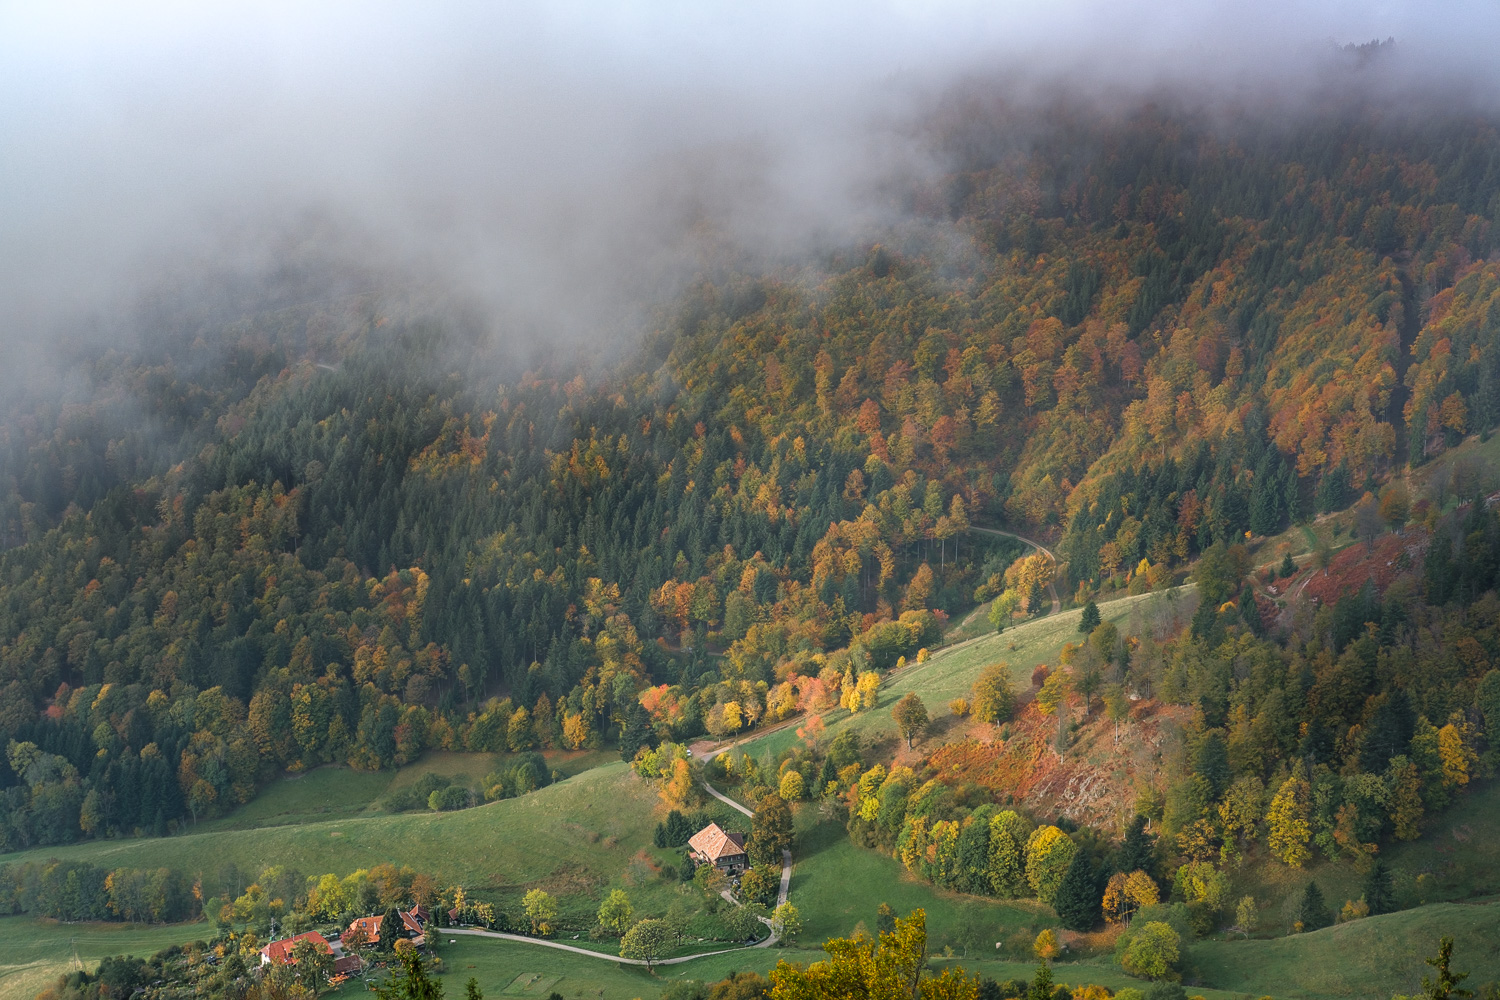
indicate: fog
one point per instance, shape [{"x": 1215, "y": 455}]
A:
[{"x": 562, "y": 166}]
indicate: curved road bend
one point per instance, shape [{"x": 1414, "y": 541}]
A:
[
  {"x": 786, "y": 884},
  {"x": 1051, "y": 587}
]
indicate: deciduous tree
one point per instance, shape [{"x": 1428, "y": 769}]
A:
[{"x": 910, "y": 716}]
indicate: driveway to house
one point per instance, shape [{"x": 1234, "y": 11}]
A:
[{"x": 786, "y": 885}]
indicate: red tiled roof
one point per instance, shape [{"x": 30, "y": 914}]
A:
[
  {"x": 713, "y": 843},
  {"x": 370, "y": 926},
  {"x": 411, "y": 920},
  {"x": 281, "y": 951}
]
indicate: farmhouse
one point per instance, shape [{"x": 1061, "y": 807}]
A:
[
  {"x": 412, "y": 922},
  {"x": 713, "y": 846},
  {"x": 280, "y": 952}
]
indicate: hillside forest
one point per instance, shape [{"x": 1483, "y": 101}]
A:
[{"x": 338, "y": 531}]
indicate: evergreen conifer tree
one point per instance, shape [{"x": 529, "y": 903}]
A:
[
  {"x": 1446, "y": 985},
  {"x": 679, "y": 829},
  {"x": 1250, "y": 611},
  {"x": 1312, "y": 911},
  {"x": 1135, "y": 853},
  {"x": 636, "y": 732},
  {"x": 826, "y": 774},
  {"x": 1077, "y": 899},
  {"x": 1378, "y": 890},
  {"x": 1041, "y": 983},
  {"x": 1090, "y": 618},
  {"x": 390, "y": 928}
]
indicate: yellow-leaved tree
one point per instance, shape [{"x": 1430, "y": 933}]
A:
[
  {"x": 861, "y": 967},
  {"x": 1288, "y": 829}
]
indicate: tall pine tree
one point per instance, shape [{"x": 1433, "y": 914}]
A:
[{"x": 1077, "y": 900}]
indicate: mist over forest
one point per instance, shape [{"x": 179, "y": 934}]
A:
[{"x": 1037, "y": 460}]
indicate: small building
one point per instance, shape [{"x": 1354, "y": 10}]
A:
[
  {"x": 712, "y": 845},
  {"x": 368, "y": 929},
  {"x": 413, "y": 921},
  {"x": 280, "y": 952}
]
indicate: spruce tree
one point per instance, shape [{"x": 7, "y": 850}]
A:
[
  {"x": 1288, "y": 566},
  {"x": 1312, "y": 911},
  {"x": 1135, "y": 853},
  {"x": 678, "y": 829},
  {"x": 1077, "y": 899},
  {"x": 1250, "y": 611},
  {"x": 390, "y": 928},
  {"x": 636, "y": 732},
  {"x": 827, "y": 773},
  {"x": 1378, "y": 890},
  {"x": 1206, "y": 622},
  {"x": 1090, "y": 618},
  {"x": 1333, "y": 488},
  {"x": 1446, "y": 985},
  {"x": 1388, "y": 733},
  {"x": 1041, "y": 984}
]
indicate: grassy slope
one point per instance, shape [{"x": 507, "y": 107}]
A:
[
  {"x": 1374, "y": 957},
  {"x": 336, "y": 792},
  {"x": 573, "y": 837},
  {"x": 499, "y": 964},
  {"x": 33, "y": 952},
  {"x": 950, "y": 673},
  {"x": 1457, "y": 858}
]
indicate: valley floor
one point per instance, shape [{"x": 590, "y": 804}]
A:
[{"x": 592, "y": 832}]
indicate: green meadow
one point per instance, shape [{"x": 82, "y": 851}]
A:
[{"x": 33, "y": 953}]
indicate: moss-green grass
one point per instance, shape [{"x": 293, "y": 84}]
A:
[
  {"x": 33, "y": 953},
  {"x": 838, "y": 887},
  {"x": 322, "y": 794},
  {"x": 1457, "y": 858},
  {"x": 497, "y": 964},
  {"x": 1374, "y": 957},
  {"x": 474, "y": 766},
  {"x": 573, "y": 836},
  {"x": 335, "y": 792}
]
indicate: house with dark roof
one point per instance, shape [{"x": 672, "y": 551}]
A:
[{"x": 713, "y": 845}]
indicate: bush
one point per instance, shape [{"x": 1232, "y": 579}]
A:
[
  {"x": 448, "y": 799},
  {"x": 526, "y": 773},
  {"x": 417, "y": 795},
  {"x": 1152, "y": 952},
  {"x": 1166, "y": 991}
]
